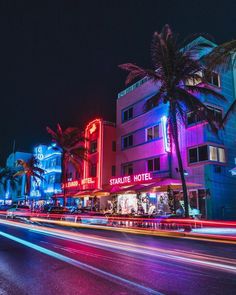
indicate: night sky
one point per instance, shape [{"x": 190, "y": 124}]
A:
[{"x": 58, "y": 59}]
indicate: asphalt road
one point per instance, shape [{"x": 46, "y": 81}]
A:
[{"x": 37, "y": 260}]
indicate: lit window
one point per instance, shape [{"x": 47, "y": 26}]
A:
[
  {"x": 213, "y": 153},
  {"x": 152, "y": 133},
  {"x": 221, "y": 154},
  {"x": 204, "y": 153}
]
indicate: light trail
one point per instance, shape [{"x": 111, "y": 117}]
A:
[
  {"x": 164, "y": 233},
  {"x": 210, "y": 261},
  {"x": 94, "y": 270}
]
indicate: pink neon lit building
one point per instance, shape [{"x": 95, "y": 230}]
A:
[{"x": 143, "y": 146}]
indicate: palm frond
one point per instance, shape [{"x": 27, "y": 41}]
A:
[
  {"x": 205, "y": 90},
  {"x": 221, "y": 56},
  {"x": 192, "y": 103}
]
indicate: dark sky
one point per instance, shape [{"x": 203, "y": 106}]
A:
[{"x": 58, "y": 59}]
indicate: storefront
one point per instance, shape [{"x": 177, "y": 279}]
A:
[{"x": 142, "y": 194}]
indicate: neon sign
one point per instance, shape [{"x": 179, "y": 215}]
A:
[
  {"x": 166, "y": 136},
  {"x": 131, "y": 178},
  {"x": 78, "y": 183},
  {"x": 92, "y": 129},
  {"x": 95, "y": 125}
]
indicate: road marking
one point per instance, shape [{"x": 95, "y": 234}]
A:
[{"x": 106, "y": 275}]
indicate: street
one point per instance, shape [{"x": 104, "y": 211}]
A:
[{"x": 46, "y": 260}]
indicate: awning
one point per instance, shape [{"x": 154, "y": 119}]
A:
[{"x": 158, "y": 185}]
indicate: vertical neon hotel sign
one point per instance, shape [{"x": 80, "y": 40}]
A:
[{"x": 166, "y": 136}]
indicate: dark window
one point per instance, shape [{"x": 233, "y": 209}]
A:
[
  {"x": 93, "y": 171},
  {"x": 127, "y": 114},
  {"x": 127, "y": 141},
  {"x": 93, "y": 146},
  {"x": 150, "y": 165},
  {"x": 193, "y": 155},
  {"x": 113, "y": 146},
  {"x": 216, "y": 113},
  {"x": 113, "y": 170},
  {"x": 202, "y": 153},
  {"x": 69, "y": 176},
  {"x": 194, "y": 117},
  {"x": 217, "y": 169},
  {"x": 127, "y": 169},
  {"x": 212, "y": 78},
  {"x": 153, "y": 164}
]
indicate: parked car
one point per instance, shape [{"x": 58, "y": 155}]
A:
[
  {"x": 95, "y": 218},
  {"x": 18, "y": 211},
  {"x": 58, "y": 210}
]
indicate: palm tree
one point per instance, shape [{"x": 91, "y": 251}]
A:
[
  {"x": 176, "y": 72},
  {"x": 70, "y": 142},
  {"x": 8, "y": 179},
  {"x": 31, "y": 170}
]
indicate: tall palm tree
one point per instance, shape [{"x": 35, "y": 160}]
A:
[
  {"x": 176, "y": 72},
  {"x": 70, "y": 142},
  {"x": 31, "y": 170},
  {"x": 8, "y": 179}
]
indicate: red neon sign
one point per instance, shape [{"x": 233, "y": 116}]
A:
[
  {"x": 95, "y": 125},
  {"x": 79, "y": 183},
  {"x": 142, "y": 177}
]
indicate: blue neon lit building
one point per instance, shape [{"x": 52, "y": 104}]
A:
[{"x": 49, "y": 160}]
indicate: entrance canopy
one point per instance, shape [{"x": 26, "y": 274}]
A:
[{"x": 159, "y": 185}]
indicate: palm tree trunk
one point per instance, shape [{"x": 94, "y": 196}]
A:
[
  {"x": 63, "y": 177},
  {"x": 174, "y": 127}
]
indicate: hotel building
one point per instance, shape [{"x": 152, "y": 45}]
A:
[{"x": 144, "y": 146}]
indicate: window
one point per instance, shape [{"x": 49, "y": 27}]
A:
[
  {"x": 51, "y": 179},
  {"x": 213, "y": 153},
  {"x": 221, "y": 155},
  {"x": 202, "y": 153},
  {"x": 69, "y": 176},
  {"x": 77, "y": 175},
  {"x": 153, "y": 164},
  {"x": 212, "y": 78},
  {"x": 127, "y": 169},
  {"x": 53, "y": 163},
  {"x": 194, "y": 117},
  {"x": 127, "y": 114},
  {"x": 216, "y": 113},
  {"x": 205, "y": 152},
  {"x": 152, "y": 133},
  {"x": 93, "y": 170},
  {"x": 93, "y": 146},
  {"x": 127, "y": 141},
  {"x": 113, "y": 170},
  {"x": 193, "y": 155},
  {"x": 114, "y": 146}
]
